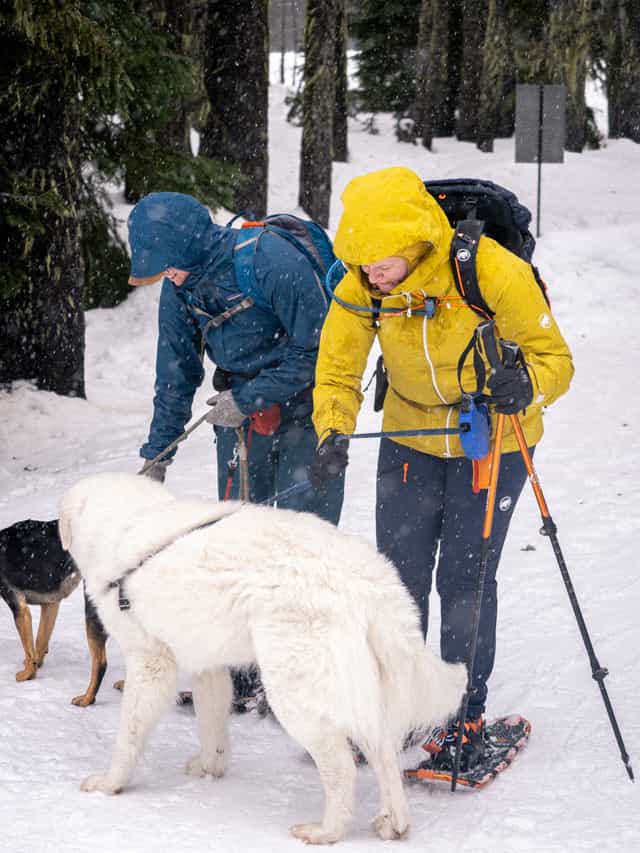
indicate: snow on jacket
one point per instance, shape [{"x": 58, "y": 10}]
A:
[
  {"x": 269, "y": 352},
  {"x": 385, "y": 212}
]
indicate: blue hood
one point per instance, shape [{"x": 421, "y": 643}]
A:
[{"x": 170, "y": 230}]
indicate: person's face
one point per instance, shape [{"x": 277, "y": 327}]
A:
[{"x": 387, "y": 273}]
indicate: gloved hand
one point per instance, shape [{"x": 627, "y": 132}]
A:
[
  {"x": 511, "y": 389},
  {"x": 331, "y": 458},
  {"x": 158, "y": 471},
  {"x": 224, "y": 411}
]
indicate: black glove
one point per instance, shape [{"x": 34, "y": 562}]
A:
[
  {"x": 511, "y": 389},
  {"x": 331, "y": 458}
]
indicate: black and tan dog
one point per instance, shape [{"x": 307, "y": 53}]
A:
[{"x": 35, "y": 569}]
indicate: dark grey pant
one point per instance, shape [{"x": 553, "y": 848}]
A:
[
  {"x": 427, "y": 517},
  {"x": 277, "y": 462}
]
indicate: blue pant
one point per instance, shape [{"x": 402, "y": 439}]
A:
[
  {"x": 277, "y": 462},
  {"x": 427, "y": 515}
]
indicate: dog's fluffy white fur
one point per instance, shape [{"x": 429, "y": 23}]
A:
[{"x": 333, "y": 629}]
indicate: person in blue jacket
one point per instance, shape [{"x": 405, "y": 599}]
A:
[{"x": 265, "y": 356}]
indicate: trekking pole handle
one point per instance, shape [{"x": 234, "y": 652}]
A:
[
  {"x": 507, "y": 355},
  {"x": 511, "y": 353}
]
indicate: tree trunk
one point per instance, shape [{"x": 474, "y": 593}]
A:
[
  {"x": 179, "y": 24},
  {"x": 340, "y": 113},
  {"x": 473, "y": 31},
  {"x": 237, "y": 81},
  {"x": 497, "y": 69},
  {"x": 318, "y": 100},
  {"x": 422, "y": 105},
  {"x": 438, "y": 69},
  {"x": 569, "y": 33},
  {"x": 41, "y": 316},
  {"x": 623, "y": 69}
]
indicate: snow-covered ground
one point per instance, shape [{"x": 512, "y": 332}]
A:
[{"x": 568, "y": 792}]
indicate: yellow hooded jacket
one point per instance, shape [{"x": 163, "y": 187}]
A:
[{"x": 384, "y": 213}]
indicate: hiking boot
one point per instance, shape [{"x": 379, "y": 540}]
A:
[{"x": 443, "y": 754}]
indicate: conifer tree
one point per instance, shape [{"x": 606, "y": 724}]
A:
[
  {"x": 318, "y": 105},
  {"x": 81, "y": 84},
  {"x": 473, "y": 30},
  {"x": 340, "y": 113},
  {"x": 237, "y": 83},
  {"x": 622, "y": 67},
  {"x": 386, "y": 33}
]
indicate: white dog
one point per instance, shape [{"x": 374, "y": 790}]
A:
[{"x": 213, "y": 585}]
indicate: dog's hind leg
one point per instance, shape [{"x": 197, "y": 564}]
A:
[
  {"x": 24, "y": 626},
  {"x": 48, "y": 616},
  {"x": 96, "y": 640},
  {"x": 212, "y": 695},
  {"x": 332, "y": 755},
  {"x": 393, "y": 820},
  {"x": 149, "y": 688},
  {"x": 330, "y": 750}
]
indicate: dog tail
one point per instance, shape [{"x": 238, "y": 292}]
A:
[{"x": 419, "y": 689}]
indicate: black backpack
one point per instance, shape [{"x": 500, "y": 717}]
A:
[{"x": 473, "y": 208}]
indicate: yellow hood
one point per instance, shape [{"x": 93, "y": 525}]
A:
[{"x": 388, "y": 211}]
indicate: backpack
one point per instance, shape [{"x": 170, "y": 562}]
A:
[
  {"x": 305, "y": 235},
  {"x": 473, "y": 208}
]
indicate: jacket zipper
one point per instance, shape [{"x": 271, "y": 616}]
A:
[{"x": 425, "y": 347}]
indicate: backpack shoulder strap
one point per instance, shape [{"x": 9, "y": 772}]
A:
[
  {"x": 243, "y": 261},
  {"x": 464, "y": 248}
]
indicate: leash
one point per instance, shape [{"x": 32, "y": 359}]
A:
[{"x": 151, "y": 462}]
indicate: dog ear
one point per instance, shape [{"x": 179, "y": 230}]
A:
[
  {"x": 70, "y": 508},
  {"x": 64, "y": 529}
]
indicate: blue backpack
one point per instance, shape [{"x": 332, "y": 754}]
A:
[{"x": 306, "y": 236}]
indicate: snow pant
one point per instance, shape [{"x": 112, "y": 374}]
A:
[
  {"x": 277, "y": 462},
  {"x": 428, "y": 517}
]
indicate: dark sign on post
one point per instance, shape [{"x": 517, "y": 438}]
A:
[{"x": 540, "y": 127}]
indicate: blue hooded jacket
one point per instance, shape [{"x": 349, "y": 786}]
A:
[{"x": 270, "y": 353}]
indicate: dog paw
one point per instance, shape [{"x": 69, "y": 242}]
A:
[
  {"x": 390, "y": 828},
  {"x": 84, "y": 701},
  {"x": 315, "y": 833},
  {"x": 119, "y": 685},
  {"x": 199, "y": 766},
  {"x": 27, "y": 673},
  {"x": 100, "y": 782}
]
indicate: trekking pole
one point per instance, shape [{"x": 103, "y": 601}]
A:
[
  {"x": 549, "y": 529},
  {"x": 151, "y": 462},
  {"x": 485, "y": 546},
  {"x": 511, "y": 353},
  {"x": 243, "y": 463}
]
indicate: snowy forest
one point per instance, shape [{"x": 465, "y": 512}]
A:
[
  {"x": 275, "y": 106},
  {"x": 113, "y": 91}
]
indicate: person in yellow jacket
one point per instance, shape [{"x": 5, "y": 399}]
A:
[{"x": 394, "y": 239}]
